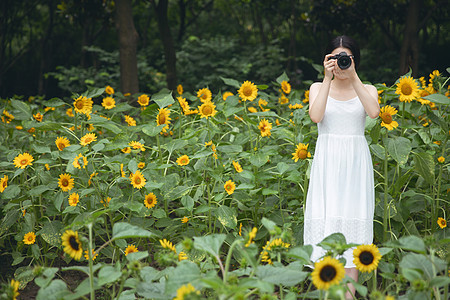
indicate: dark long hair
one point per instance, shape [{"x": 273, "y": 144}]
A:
[{"x": 345, "y": 42}]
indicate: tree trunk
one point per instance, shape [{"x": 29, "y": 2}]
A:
[
  {"x": 46, "y": 50},
  {"x": 409, "y": 53},
  {"x": 128, "y": 39},
  {"x": 168, "y": 44}
]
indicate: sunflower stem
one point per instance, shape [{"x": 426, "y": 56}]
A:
[
  {"x": 403, "y": 116},
  {"x": 228, "y": 260},
  {"x": 385, "y": 211},
  {"x": 91, "y": 272}
]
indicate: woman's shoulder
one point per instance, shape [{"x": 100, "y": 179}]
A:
[
  {"x": 315, "y": 85},
  {"x": 370, "y": 87}
]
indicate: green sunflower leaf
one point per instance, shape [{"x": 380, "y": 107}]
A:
[{"x": 123, "y": 230}]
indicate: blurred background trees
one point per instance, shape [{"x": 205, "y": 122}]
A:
[{"x": 54, "y": 47}]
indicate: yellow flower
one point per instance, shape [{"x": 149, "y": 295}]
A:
[
  {"x": 226, "y": 95},
  {"x": 29, "y": 238},
  {"x": 442, "y": 222},
  {"x": 65, "y": 182},
  {"x": 248, "y": 91},
  {"x": 109, "y": 90},
  {"x": 47, "y": 166},
  {"x": 143, "y": 100},
  {"x": 240, "y": 229},
  {"x": 48, "y": 108},
  {"x": 150, "y": 200},
  {"x": 94, "y": 254},
  {"x": 180, "y": 89},
  {"x": 87, "y": 139},
  {"x": 441, "y": 159},
  {"x": 126, "y": 94},
  {"x": 366, "y": 257},
  {"x": 136, "y": 145},
  {"x": 295, "y": 106},
  {"x": 123, "y": 174},
  {"x": 18, "y": 127},
  {"x": 69, "y": 112},
  {"x": 130, "y": 121},
  {"x": 182, "y": 256},
  {"x": 23, "y": 160},
  {"x": 423, "y": 82},
  {"x": 205, "y": 95},
  {"x": 167, "y": 245},
  {"x": 163, "y": 118},
  {"x": 408, "y": 89},
  {"x": 72, "y": 245},
  {"x": 15, "y": 286},
  {"x": 76, "y": 161},
  {"x": 61, "y": 143},
  {"x": 183, "y": 160},
  {"x": 3, "y": 183},
  {"x": 126, "y": 150},
  {"x": 108, "y": 102},
  {"x": 265, "y": 127},
  {"x": 183, "y": 104},
  {"x": 106, "y": 201},
  {"x": 251, "y": 236},
  {"x": 286, "y": 87},
  {"x": 137, "y": 180},
  {"x": 229, "y": 186},
  {"x": 141, "y": 165},
  {"x": 38, "y": 117},
  {"x": 207, "y": 109},
  {"x": 283, "y": 99},
  {"x": 83, "y": 105},
  {"x": 329, "y": 271},
  {"x": 433, "y": 75},
  {"x": 252, "y": 109},
  {"x": 386, "y": 114},
  {"x": 131, "y": 249},
  {"x": 185, "y": 290},
  {"x": 184, "y": 220},
  {"x": 237, "y": 166},
  {"x": 301, "y": 152},
  {"x": 74, "y": 198}
]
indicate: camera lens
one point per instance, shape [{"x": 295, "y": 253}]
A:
[{"x": 344, "y": 62}]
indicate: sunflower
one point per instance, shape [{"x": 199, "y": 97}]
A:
[
  {"x": 433, "y": 75},
  {"x": 229, "y": 186},
  {"x": 23, "y": 160},
  {"x": 248, "y": 91},
  {"x": 301, "y": 152},
  {"x": 7, "y": 117},
  {"x": 126, "y": 150},
  {"x": 109, "y": 90},
  {"x": 205, "y": 95},
  {"x": 286, "y": 87},
  {"x": 226, "y": 95},
  {"x": 386, "y": 114},
  {"x": 252, "y": 109},
  {"x": 251, "y": 236},
  {"x": 76, "y": 161},
  {"x": 90, "y": 177},
  {"x": 3, "y": 183},
  {"x": 108, "y": 102},
  {"x": 74, "y": 198},
  {"x": 186, "y": 290},
  {"x": 72, "y": 245},
  {"x": 265, "y": 127},
  {"x": 69, "y": 112},
  {"x": 366, "y": 257},
  {"x": 441, "y": 159},
  {"x": 87, "y": 139},
  {"x": 94, "y": 254},
  {"x": 283, "y": 99},
  {"x": 150, "y": 200},
  {"x": 136, "y": 145},
  {"x": 237, "y": 166},
  {"x": 442, "y": 222},
  {"x": 167, "y": 245},
  {"x": 182, "y": 256},
  {"x": 38, "y": 117},
  {"x": 65, "y": 182},
  {"x": 206, "y": 110},
  {"x": 105, "y": 201},
  {"x": 408, "y": 89},
  {"x": 131, "y": 249},
  {"x": 180, "y": 89},
  {"x": 137, "y": 180},
  {"x": 83, "y": 105},
  {"x": 15, "y": 288},
  {"x": 61, "y": 143},
  {"x": 141, "y": 165},
  {"x": 29, "y": 238},
  {"x": 295, "y": 106},
  {"x": 143, "y": 100},
  {"x": 163, "y": 118},
  {"x": 184, "y": 220},
  {"x": 327, "y": 272},
  {"x": 183, "y": 160},
  {"x": 183, "y": 104},
  {"x": 130, "y": 121}
]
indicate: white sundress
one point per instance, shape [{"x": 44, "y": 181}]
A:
[{"x": 341, "y": 188}]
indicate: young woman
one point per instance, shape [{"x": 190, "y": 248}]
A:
[{"x": 341, "y": 190}]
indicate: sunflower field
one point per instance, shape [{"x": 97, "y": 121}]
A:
[{"x": 200, "y": 195}]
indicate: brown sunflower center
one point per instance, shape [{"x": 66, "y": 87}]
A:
[
  {"x": 406, "y": 89},
  {"x": 88, "y": 140},
  {"x": 203, "y": 96},
  {"x": 30, "y": 238},
  {"x": 302, "y": 153},
  {"x": 184, "y": 161},
  {"x": 366, "y": 258},
  {"x": 74, "y": 243},
  {"x": 328, "y": 273},
  {"x": 207, "y": 110},
  {"x": 65, "y": 182},
  {"x": 24, "y": 161},
  {"x": 228, "y": 187},
  {"x": 137, "y": 180},
  {"x": 4, "y": 184},
  {"x": 79, "y": 104},
  {"x": 247, "y": 91},
  {"x": 162, "y": 119},
  {"x": 61, "y": 146},
  {"x": 386, "y": 117}
]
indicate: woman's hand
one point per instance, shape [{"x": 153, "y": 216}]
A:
[
  {"x": 329, "y": 66},
  {"x": 349, "y": 73}
]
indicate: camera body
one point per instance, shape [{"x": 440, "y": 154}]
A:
[{"x": 344, "y": 61}]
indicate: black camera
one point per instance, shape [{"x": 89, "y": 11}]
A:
[{"x": 344, "y": 61}]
